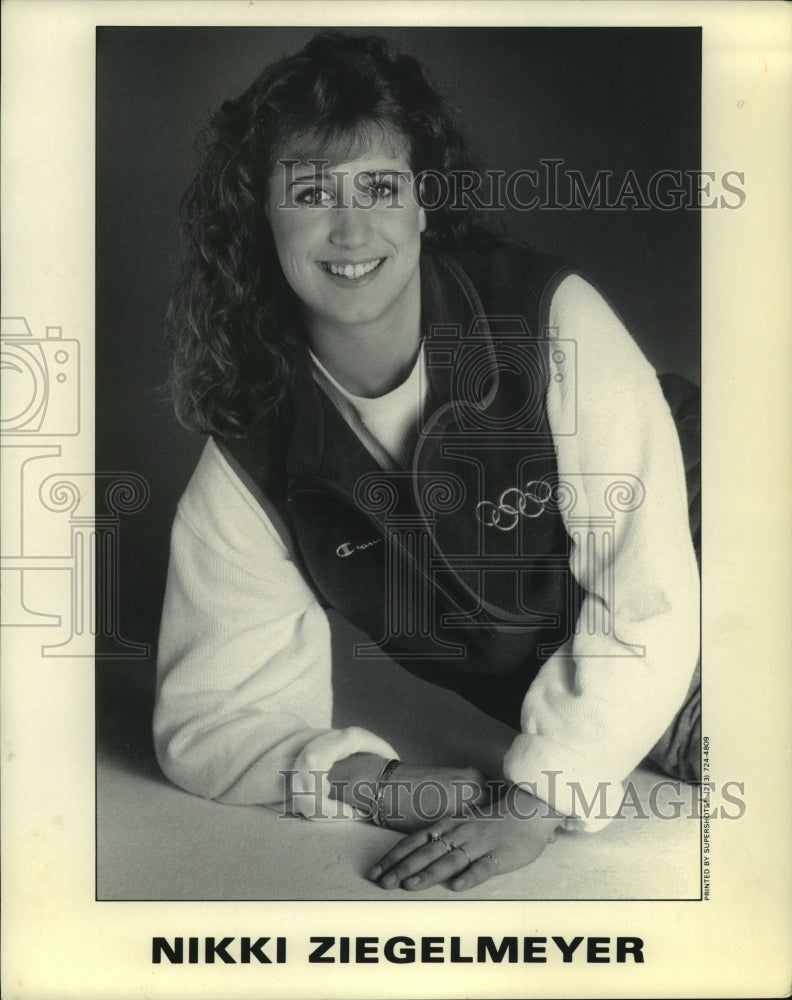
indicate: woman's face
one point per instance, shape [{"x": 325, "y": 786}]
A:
[{"x": 348, "y": 236}]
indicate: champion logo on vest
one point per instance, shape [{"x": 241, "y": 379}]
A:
[
  {"x": 513, "y": 504},
  {"x": 349, "y": 549}
]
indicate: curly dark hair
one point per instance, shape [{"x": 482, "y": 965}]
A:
[{"x": 232, "y": 319}]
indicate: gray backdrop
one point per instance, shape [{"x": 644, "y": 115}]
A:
[{"x": 614, "y": 99}]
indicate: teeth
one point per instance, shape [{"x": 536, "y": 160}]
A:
[{"x": 352, "y": 270}]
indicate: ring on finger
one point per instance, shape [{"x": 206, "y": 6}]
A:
[
  {"x": 459, "y": 847},
  {"x": 437, "y": 838}
]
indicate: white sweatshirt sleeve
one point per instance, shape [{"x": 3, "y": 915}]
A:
[
  {"x": 603, "y": 699},
  {"x": 244, "y": 663}
]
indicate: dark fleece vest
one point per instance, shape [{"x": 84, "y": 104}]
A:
[{"x": 457, "y": 567}]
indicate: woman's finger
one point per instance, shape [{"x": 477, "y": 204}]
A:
[
  {"x": 423, "y": 869},
  {"x": 452, "y": 863},
  {"x": 480, "y": 871},
  {"x": 413, "y": 863},
  {"x": 405, "y": 848}
]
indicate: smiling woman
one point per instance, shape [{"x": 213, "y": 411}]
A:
[
  {"x": 443, "y": 435},
  {"x": 341, "y": 100},
  {"x": 348, "y": 238}
]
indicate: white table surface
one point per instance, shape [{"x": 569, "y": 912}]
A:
[{"x": 156, "y": 842}]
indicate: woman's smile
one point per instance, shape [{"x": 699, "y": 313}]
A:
[
  {"x": 348, "y": 238},
  {"x": 352, "y": 273}
]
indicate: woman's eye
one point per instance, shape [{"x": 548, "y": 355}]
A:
[
  {"x": 383, "y": 189},
  {"x": 375, "y": 189},
  {"x": 313, "y": 196}
]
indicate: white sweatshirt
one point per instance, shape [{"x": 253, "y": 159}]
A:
[{"x": 244, "y": 666}]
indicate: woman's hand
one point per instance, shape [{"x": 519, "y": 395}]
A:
[
  {"x": 512, "y": 834},
  {"x": 415, "y": 796}
]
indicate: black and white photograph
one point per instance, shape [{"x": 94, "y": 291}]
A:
[
  {"x": 423, "y": 519},
  {"x": 376, "y": 395}
]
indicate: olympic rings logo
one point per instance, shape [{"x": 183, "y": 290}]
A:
[{"x": 513, "y": 504}]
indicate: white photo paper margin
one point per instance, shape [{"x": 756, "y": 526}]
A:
[{"x": 56, "y": 938}]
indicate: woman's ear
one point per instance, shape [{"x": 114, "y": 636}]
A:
[{"x": 421, "y": 220}]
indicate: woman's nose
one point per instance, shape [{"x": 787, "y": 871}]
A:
[{"x": 350, "y": 227}]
